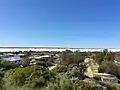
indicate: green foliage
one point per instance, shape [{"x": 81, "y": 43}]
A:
[
  {"x": 31, "y": 76},
  {"x": 1, "y": 83},
  {"x": 19, "y": 75},
  {"x": 46, "y": 61},
  {"x": 27, "y": 54},
  {"x": 78, "y": 57},
  {"x": 109, "y": 56},
  {"x": 61, "y": 68},
  {"x": 1, "y": 61},
  {"x": 64, "y": 83},
  {"x": 65, "y": 58},
  {"x": 9, "y": 65},
  {"x": 1, "y": 75},
  {"x": 110, "y": 67},
  {"x": 25, "y": 62},
  {"x": 111, "y": 86},
  {"x": 98, "y": 57},
  {"x": 70, "y": 59},
  {"x": 76, "y": 72},
  {"x": 105, "y": 51}
]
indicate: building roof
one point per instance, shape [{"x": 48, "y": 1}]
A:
[
  {"x": 44, "y": 56},
  {"x": 11, "y": 57}
]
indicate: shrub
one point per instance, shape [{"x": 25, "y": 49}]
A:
[{"x": 31, "y": 76}]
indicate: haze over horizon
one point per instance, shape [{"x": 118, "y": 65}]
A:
[{"x": 60, "y": 23}]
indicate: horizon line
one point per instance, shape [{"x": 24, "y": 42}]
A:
[{"x": 58, "y": 47}]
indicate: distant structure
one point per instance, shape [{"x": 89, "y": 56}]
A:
[
  {"x": 92, "y": 72},
  {"x": 35, "y": 59},
  {"x": 17, "y": 49},
  {"x": 12, "y": 58}
]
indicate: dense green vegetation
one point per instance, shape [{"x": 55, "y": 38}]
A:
[{"x": 68, "y": 75}]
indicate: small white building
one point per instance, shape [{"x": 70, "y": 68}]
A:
[
  {"x": 44, "y": 56},
  {"x": 34, "y": 59},
  {"x": 107, "y": 78}
]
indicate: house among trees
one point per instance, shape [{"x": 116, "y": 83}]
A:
[
  {"x": 108, "y": 78},
  {"x": 36, "y": 59},
  {"x": 92, "y": 72},
  {"x": 12, "y": 58}
]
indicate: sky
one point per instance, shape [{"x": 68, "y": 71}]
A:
[{"x": 64, "y": 23}]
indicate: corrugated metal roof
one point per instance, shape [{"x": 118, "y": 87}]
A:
[{"x": 11, "y": 57}]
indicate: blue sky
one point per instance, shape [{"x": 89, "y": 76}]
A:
[{"x": 65, "y": 23}]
